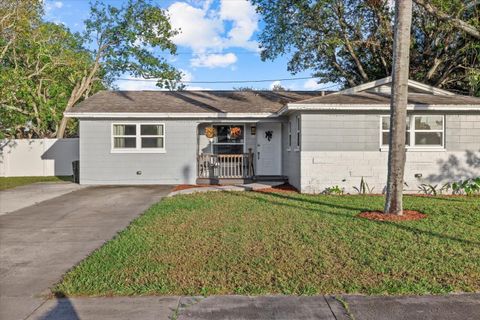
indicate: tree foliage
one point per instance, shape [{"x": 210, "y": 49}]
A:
[
  {"x": 41, "y": 62},
  {"x": 350, "y": 41},
  {"x": 47, "y": 69}
]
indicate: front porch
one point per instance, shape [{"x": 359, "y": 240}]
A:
[{"x": 237, "y": 153}]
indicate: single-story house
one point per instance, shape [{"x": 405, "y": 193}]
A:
[{"x": 310, "y": 139}]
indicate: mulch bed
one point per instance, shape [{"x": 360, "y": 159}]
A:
[
  {"x": 283, "y": 188},
  {"x": 187, "y": 186},
  {"x": 408, "y": 215}
]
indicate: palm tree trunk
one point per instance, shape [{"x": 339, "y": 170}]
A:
[{"x": 398, "y": 109}]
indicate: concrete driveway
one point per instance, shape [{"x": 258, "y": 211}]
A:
[
  {"x": 21, "y": 197},
  {"x": 38, "y": 244}
]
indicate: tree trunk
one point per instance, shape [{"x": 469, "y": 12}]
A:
[
  {"x": 78, "y": 91},
  {"x": 398, "y": 109}
]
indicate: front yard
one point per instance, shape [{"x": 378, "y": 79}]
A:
[{"x": 286, "y": 243}]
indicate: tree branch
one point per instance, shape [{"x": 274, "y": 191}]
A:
[{"x": 455, "y": 22}]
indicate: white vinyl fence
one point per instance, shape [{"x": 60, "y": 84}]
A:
[{"x": 38, "y": 157}]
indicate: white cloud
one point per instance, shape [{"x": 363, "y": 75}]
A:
[
  {"x": 48, "y": 5},
  {"x": 192, "y": 88},
  {"x": 137, "y": 84},
  {"x": 197, "y": 30},
  {"x": 214, "y": 60},
  {"x": 208, "y": 31},
  {"x": 186, "y": 75},
  {"x": 245, "y": 23},
  {"x": 311, "y": 84},
  {"x": 275, "y": 83}
]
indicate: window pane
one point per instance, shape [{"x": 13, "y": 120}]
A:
[
  {"x": 428, "y": 138},
  {"x": 124, "y": 143},
  {"x": 429, "y": 123},
  {"x": 385, "y": 140},
  {"x": 151, "y": 130},
  {"x": 227, "y": 149},
  {"x": 386, "y": 123},
  {"x": 229, "y": 134},
  {"x": 124, "y": 129},
  {"x": 152, "y": 142}
]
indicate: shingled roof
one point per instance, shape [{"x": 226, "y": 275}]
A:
[
  {"x": 190, "y": 101},
  {"x": 375, "y": 98},
  {"x": 376, "y": 95}
]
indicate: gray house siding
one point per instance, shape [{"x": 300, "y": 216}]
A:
[
  {"x": 340, "y": 149},
  {"x": 176, "y": 166},
  {"x": 462, "y": 132},
  {"x": 340, "y": 132}
]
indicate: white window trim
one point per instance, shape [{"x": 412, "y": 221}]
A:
[
  {"x": 297, "y": 138},
  {"x": 289, "y": 147},
  {"x": 138, "y": 139},
  {"x": 244, "y": 143},
  {"x": 412, "y": 146}
]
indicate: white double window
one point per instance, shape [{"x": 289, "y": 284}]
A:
[
  {"x": 423, "y": 131},
  {"x": 138, "y": 137}
]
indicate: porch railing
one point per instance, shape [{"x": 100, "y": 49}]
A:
[{"x": 225, "y": 165}]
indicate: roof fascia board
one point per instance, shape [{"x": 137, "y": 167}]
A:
[
  {"x": 378, "y": 107},
  {"x": 365, "y": 86},
  {"x": 387, "y": 80},
  {"x": 157, "y": 115},
  {"x": 428, "y": 88}
]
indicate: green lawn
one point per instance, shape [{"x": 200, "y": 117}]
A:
[
  {"x": 253, "y": 243},
  {"x": 12, "y": 182}
]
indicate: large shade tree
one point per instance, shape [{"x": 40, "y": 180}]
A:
[
  {"x": 46, "y": 69},
  {"x": 40, "y": 64},
  {"x": 125, "y": 39},
  {"x": 351, "y": 41}
]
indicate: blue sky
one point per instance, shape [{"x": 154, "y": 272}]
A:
[{"x": 218, "y": 42}]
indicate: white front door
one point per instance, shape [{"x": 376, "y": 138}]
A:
[{"x": 269, "y": 149}]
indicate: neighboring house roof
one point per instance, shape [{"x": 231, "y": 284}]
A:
[
  {"x": 188, "y": 102},
  {"x": 376, "y": 95}
]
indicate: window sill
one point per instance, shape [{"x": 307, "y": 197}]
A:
[
  {"x": 139, "y": 151},
  {"x": 289, "y": 149},
  {"x": 419, "y": 149},
  {"x": 296, "y": 149}
]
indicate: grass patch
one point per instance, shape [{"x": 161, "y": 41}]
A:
[
  {"x": 253, "y": 243},
  {"x": 12, "y": 182}
]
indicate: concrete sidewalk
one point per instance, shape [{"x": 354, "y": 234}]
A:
[
  {"x": 40, "y": 243},
  {"x": 451, "y": 307}
]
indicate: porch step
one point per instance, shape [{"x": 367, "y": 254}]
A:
[
  {"x": 271, "y": 178},
  {"x": 224, "y": 181},
  {"x": 238, "y": 181}
]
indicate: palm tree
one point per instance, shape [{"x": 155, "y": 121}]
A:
[{"x": 398, "y": 109}]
